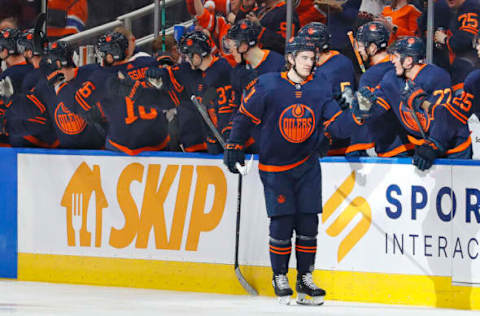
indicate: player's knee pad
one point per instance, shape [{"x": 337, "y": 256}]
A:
[
  {"x": 306, "y": 225},
  {"x": 281, "y": 227}
]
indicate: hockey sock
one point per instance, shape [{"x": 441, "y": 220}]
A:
[
  {"x": 280, "y": 251},
  {"x": 281, "y": 230},
  {"x": 305, "y": 250},
  {"x": 306, "y": 229}
]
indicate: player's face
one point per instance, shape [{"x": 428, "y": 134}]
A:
[
  {"x": 3, "y": 53},
  {"x": 453, "y": 4},
  {"x": 362, "y": 50},
  {"x": 194, "y": 60},
  {"x": 396, "y": 60},
  {"x": 304, "y": 62}
]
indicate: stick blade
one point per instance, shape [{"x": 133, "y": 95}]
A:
[{"x": 250, "y": 290}]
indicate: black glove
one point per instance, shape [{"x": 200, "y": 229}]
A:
[
  {"x": 425, "y": 154},
  {"x": 345, "y": 98},
  {"x": 154, "y": 76},
  {"x": 363, "y": 103},
  {"x": 234, "y": 153},
  {"x": 120, "y": 85},
  {"x": 414, "y": 97},
  {"x": 93, "y": 115}
]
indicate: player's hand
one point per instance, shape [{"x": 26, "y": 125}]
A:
[
  {"x": 6, "y": 88},
  {"x": 234, "y": 153},
  {"x": 414, "y": 98},
  {"x": 440, "y": 37},
  {"x": 363, "y": 103},
  {"x": 345, "y": 99},
  {"x": 154, "y": 77},
  {"x": 253, "y": 18},
  {"x": 93, "y": 115},
  {"x": 425, "y": 154},
  {"x": 120, "y": 85}
]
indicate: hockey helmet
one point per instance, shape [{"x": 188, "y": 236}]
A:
[
  {"x": 113, "y": 43},
  {"x": 63, "y": 52},
  {"x": 195, "y": 42},
  {"x": 28, "y": 41},
  {"x": 317, "y": 32},
  {"x": 409, "y": 46},
  {"x": 8, "y": 40},
  {"x": 244, "y": 31},
  {"x": 299, "y": 44},
  {"x": 373, "y": 32}
]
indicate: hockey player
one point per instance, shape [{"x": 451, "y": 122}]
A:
[
  {"x": 133, "y": 127},
  {"x": 13, "y": 76},
  {"x": 445, "y": 134},
  {"x": 33, "y": 45},
  {"x": 290, "y": 111},
  {"x": 269, "y": 15},
  {"x": 251, "y": 59},
  {"x": 339, "y": 71},
  {"x": 393, "y": 94},
  {"x": 386, "y": 132},
  {"x": 72, "y": 130},
  {"x": 461, "y": 29}
]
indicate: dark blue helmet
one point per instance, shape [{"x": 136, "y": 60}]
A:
[
  {"x": 62, "y": 52},
  {"x": 244, "y": 31},
  {"x": 37, "y": 43},
  {"x": 318, "y": 33},
  {"x": 195, "y": 42},
  {"x": 299, "y": 44},
  {"x": 8, "y": 40},
  {"x": 113, "y": 43},
  {"x": 409, "y": 46},
  {"x": 373, "y": 32}
]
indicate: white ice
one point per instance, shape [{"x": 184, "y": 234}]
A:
[{"x": 32, "y": 298}]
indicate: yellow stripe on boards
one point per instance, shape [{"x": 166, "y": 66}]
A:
[{"x": 220, "y": 278}]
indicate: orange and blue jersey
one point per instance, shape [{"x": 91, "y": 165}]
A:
[
  {"x": 17, "y": 74},
  {"x": 385, "y": 132},
  {"x": 243, "y": 74},
  {"x": 339, "y": 71},
  {"x": 134, "y": 125},
  {"x": 72, "y": 130},
  {"x": 467, "y": 101},
  {"x": 75, "y": 12},
  {"x": 290, "y": 119}
]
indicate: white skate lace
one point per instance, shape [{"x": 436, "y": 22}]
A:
[
  {"x": 308, "y": 281},
  {"x": 282, "y": 281}
]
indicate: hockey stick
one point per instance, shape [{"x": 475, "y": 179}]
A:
[
  {"x": 163, "y": 26},
  {"x": 357, "y": 54},
  {"x": 203, "y": 112}
]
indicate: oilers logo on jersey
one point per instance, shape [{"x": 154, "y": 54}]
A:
[
  {"x": 68, "y": 122},
  {"x": 409, "y": 121},
  {"x": 297, "y": 123}
]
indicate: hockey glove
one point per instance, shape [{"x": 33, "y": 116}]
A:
[
  {"x": 414, "y": 98},
  {"x": 93, "y": 115},
  {"x": 6, "y": 88},
  {"x": 154, "y": 77},
  {"x": 426, "y": 153},
  {"x": 345, "y": 99},
  {"x": 363, "y": 104},
  {"x": 234, "y": 153},
  {"x": 120, "y": 85}
]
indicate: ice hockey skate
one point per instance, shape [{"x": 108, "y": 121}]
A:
[
  {"x": 308, "y": 293},
  {"x": 282, "y": 288}
]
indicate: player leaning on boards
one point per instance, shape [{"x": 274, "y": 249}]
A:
[{"x": 290, "y": 112}]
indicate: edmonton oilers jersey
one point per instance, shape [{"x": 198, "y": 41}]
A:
[
  {"x": 72, "y": 130},
  {"x": 291, "y": 119}
]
